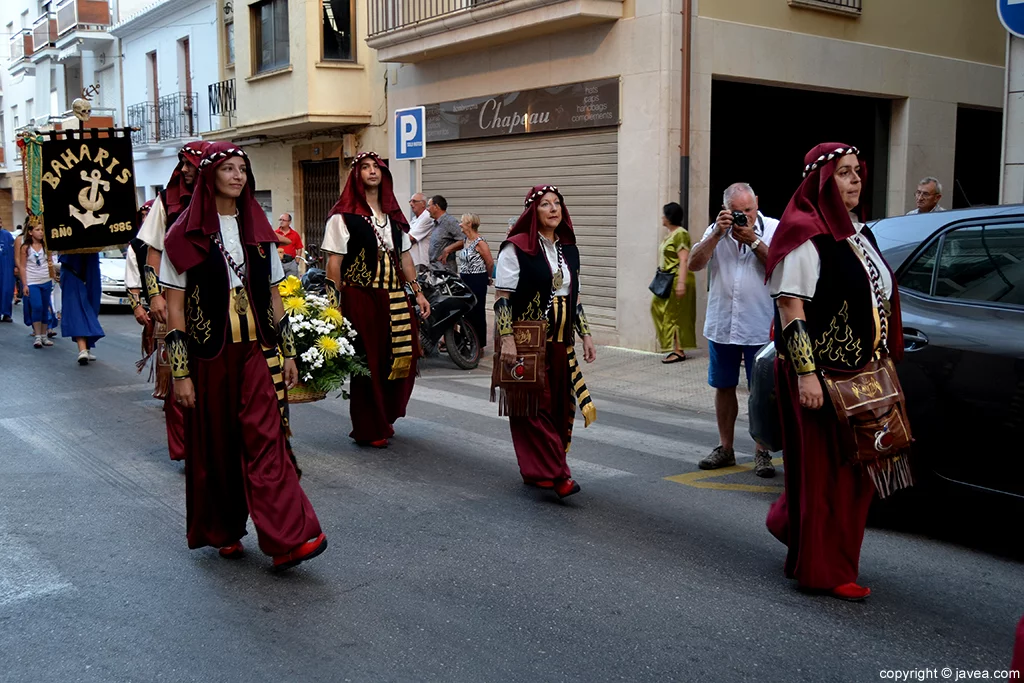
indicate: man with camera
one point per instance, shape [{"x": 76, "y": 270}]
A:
[{"x": 740, "y": 310}]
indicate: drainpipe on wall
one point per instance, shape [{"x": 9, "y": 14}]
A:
[{"x": 684, "y": 138}]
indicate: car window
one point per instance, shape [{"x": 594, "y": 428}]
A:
[
  {"x": 982, "y": 263},
  {"x": 918, "y": 276}
]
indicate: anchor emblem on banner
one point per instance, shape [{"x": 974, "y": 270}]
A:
[{"x": 91, "y": 200}]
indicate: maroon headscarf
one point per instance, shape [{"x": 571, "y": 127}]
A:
[
  {"x": 353, "y": 197},
  {"x": 188, "y": 241},
  {"x": 140, "y": 215},
  {"x": 524, "y": 233},
  {"x": 817, "y": 207},
  {"x": 178, "y": 191}
]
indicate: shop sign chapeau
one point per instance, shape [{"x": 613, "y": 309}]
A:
[
  {"x": 88, "y": 190},
  {"x": 592, "y": 104}
]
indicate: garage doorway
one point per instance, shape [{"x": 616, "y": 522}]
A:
[
  {"x": 976, "y": 169},
  {"x": 760, "y": 133}
]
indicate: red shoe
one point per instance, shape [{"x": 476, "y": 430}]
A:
[
  {"x": 379, "y": 443},
  {"x": 851, "y": 592},
  {"x": 233, "y": 551},
  {"x": 539, "y": 483},
  {"x": 306, "y": 551},
  {"x": 566, "y": 488}
]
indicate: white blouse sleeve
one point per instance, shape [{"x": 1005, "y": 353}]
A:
[
  {"x": 169, "y": 276},
  {"x": 797, "y": 275},
  {"x": 336, "y": 236},
  {"x": 508, "y": 268},
  {"x": 276, "y": 269},
  {"x": 132, "y": 279},
  {"x": 406, "y": 242},
  {"x": 154, "y": 228}
]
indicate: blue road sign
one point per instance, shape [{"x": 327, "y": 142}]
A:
[
  {"x": 410, "y": 133},
  {"x": 1011, "y": 13}
]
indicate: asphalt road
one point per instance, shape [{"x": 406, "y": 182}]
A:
[{"x": 442, "y": 566}]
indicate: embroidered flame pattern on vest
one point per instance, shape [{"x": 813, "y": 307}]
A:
[
  {"x": 358, "y": 274},
  {"x": 534, "y": 310},
  {"x": 199, "y": 326},
  {"x": 839, "y": 344}
]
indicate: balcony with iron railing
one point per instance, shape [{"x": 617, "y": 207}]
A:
[
  {"x": 74, "y": 16},
  {"x": 222, "y": 103},
  {"x": 172, "y": 117},
  {"x": 407, "y": 30},
  {"x": 44, "y": 33},
  {"x": 847, "y": 7}
]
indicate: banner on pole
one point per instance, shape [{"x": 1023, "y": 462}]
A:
[{"x": 88, "y": 190}]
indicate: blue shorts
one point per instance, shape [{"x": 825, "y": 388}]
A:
[{"x": 724, "y": 365}]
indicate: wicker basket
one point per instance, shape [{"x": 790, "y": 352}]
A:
[{"x": 303, "y": 394}]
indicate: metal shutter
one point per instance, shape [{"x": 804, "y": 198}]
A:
[{"x": 491, "y": 177}]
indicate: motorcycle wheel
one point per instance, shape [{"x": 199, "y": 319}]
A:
[{"x": 463, "y": 346}]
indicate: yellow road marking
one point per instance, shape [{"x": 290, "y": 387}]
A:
[{"x": 695, "y": 479}]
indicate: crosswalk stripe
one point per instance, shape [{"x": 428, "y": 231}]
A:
[
  {"x": 484, "y": 446},
  {"x": 618, "y": 437}
]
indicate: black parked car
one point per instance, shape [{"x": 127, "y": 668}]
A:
[{"x": 961, "y": 280}]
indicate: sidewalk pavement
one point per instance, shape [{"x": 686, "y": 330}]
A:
[{"x": 640, "y": 375}]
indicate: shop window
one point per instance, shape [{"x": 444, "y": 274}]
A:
[
  {"x": 270, "y": 24},
  {"x": 338, "y": 27}
]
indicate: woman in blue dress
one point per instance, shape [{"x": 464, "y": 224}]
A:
[{"x": 80, "y": 302}]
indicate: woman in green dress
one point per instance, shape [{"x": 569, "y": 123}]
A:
[{"x": 674, "y": 317}]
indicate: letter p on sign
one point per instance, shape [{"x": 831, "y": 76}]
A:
[{"x": 410, "y": 133}]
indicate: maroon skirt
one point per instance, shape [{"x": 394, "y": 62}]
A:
[
  {"x": 541, "y": 442},
  {"x": 822, "y": 513},
  {"x": 376, "y": 402},
  {"x": 236, "y": 458}
]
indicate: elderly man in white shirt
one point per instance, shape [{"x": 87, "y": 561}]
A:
[
  {"x": 740, "y": 310},
  {"x": 420, "y": 228}
]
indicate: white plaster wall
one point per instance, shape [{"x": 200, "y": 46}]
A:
[
  {"x": 196, "y": 21},
  {"x": 272, "y": 168},
  {"x": 644, "y": 52}
]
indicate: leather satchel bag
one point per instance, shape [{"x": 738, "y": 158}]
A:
[
  {"x": 531, "y": 345},
  {"x": 661, "y": 285},
  {"x": 873, "y": 423}
]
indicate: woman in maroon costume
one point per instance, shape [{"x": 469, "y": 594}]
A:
[
  {"x": 370, "y": 265},
  {"x": 822, "y": 265},
  {"x": 221, "y": 257},
  {"x": 538, "y": 278}
]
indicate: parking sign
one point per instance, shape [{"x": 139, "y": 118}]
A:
[
  {"x": 1011, "y": 13},
  {"x": 410, "y": 133}
]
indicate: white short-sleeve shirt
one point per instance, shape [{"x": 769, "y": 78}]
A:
[
  {"x": 154, "y": 228},
  {"x": 420, "y": 229},
  {"x": 336, "y": 234},
  {"x": 797, "y": 274},
  {"x": 740, "y": 309},
  {"x": 170, "y": 277},
  {"x": 508, "y": 267}
]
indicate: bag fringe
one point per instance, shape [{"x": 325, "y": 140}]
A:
[
  {"x": 891, "y": 475},
  {"x": 518, "y": 403}
]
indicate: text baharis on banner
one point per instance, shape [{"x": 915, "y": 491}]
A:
[{"x": 88, "y": 191}]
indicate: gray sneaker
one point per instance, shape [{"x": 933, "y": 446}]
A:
[
  {"x": 718, "y": 458},
  {"x": 763, "y": 466}
]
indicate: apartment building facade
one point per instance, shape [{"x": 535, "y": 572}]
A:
[
  {"x": 301, "y": 93},
  {"x": 57, "y": 51},
  {"x": 588, "y": 94}
]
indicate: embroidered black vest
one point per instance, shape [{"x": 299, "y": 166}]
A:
[
  {"x": 141, "y": 250},
  {"x": 207, "y": 300},
  {"x": 530, "y": 299},
  {"x": 841, "y": 318},
  {"x": 363, "y": 266}
]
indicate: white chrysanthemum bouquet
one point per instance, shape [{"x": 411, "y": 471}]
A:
[{"x": 323, "y": 338}]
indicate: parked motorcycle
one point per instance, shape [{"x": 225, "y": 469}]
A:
[
  {"x": 451, "y": 300},
  {"x": 314, "y": 280}
]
